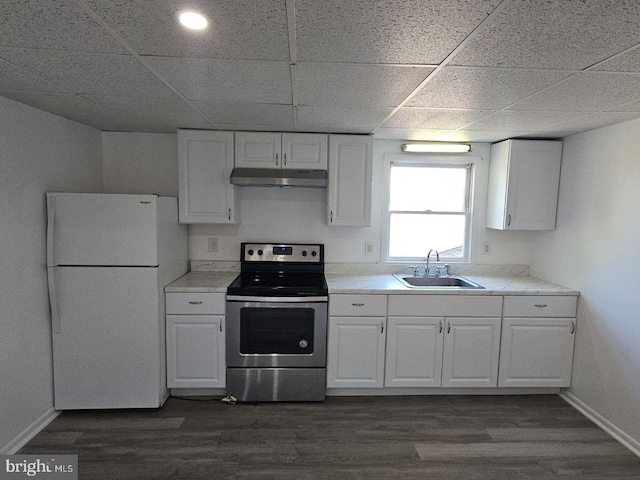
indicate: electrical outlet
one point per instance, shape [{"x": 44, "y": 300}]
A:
[
  {"x": 368, "y": 248},
  {"x": 486, "y": 248},
  {"x": 213, "y": 244}
]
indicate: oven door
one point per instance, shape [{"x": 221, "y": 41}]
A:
[{"x": 276, "y": 334}]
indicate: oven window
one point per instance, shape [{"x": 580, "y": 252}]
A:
[{"x": 276, "y": 330}]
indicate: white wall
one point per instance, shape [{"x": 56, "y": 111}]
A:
[
  {"x": 595, "y": 249},
  {"x": 39, "y": 152},
  {"x": 147, "y": 163}
]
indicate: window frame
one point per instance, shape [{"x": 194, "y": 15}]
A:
[{"x": 430, "y": 160}]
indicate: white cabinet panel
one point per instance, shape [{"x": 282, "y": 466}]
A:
[
  {"x": 446, "y": 305},
  {"x": 350, "y": 175},
  {"x": 358, "y": 305},
  {"x": 471, "y": 352},
  {"x": 306, "y": 151},
  {"x": 536, "y": 352},
  {"x": 195, "y": 351},
  {"x": 195, "y": 303},
  {"x": 356, "y": 352},
  {"x": 540, "y": 306},
  {"x": 258, "y": 150},
  {"x": 523, "y": 184},
  {"x": 414, "y": 352},
  {"x": 205, "y": 162}
]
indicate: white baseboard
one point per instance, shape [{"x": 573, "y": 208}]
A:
[
  {"x": 28, "y": 433},
  {"x": 626, "y": 440}
]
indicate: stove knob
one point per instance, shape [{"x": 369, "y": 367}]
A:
[
  {"x": 260, "y": 252},
  {"x": 304, "y": 253},
  {"x": 314, "y": 253},
  {"x": 250, "y": 252},
  {"x": 303, "y": 343}
]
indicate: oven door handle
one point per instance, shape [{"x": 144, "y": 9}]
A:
[{"x": 241, "y": 298}]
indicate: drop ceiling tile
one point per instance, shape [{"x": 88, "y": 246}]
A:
[
  {"x": 416, "y": 134},
  {"x": 254, "y": 128},
  {"x": 160, "y": 115},
  {"x": 481, "y": 136},
  {"x": 482, "y": 88},
  {"x": 627, "y": 107},
  {"x": 250, "y": 114},
  {"x": 520, "y": 121},
  {"x": 238, "y": 29},
  {"x": 554, "y": 34},
  {"x": 74, "y": 108},
  {"x": 627, "y": 62},
  {"x": 53, "y": 25},
  {"x": 394, "y": 31},
  {"x": 587, "y": 91},
  {"x": 328, "y": 84},
  {"x": 591, "y": 121},
  {"x": 226, "y": 81},
  {"x": 433, "y": 118},
  {"x": 356, "y": 120},
  {"x": 92, "y": 73},
  {"x": 15, "y": 78}
]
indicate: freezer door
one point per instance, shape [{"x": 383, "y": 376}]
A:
[
  {"x": 102, "y": 229},
  {"x": 107, "y": 349}
]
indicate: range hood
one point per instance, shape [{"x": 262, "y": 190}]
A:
[{"x": 274, "y": 177}]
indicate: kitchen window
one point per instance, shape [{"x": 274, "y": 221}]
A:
[{"x": 429, "y": 207}]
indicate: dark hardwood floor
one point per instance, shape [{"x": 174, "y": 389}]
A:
[{"x": 419, "y": 437}]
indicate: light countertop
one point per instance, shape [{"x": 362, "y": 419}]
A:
[{"x": 217, "y": 282}]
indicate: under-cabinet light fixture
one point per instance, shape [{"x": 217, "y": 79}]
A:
[
  {"x": 193, "y": 20},
  {"x": 436, "y": 147}
]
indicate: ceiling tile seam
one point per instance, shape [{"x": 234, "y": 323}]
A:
[
  {"x": 612, "y": 57},
  {"x": 291, "y": 30},
  {"x": 579, "y": 117},
  {"x": 27, "y": 72},
  {"x": 488, "y": 19},
  {"x": 140, "y": 58}
]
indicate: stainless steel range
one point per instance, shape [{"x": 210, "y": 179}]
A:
[{"x": 277, "y": 324}]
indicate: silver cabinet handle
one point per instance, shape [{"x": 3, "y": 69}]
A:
[
  {"x": 229, "y": 214},
  {"x": 448, "y": 327},
  {"x": 381, "y": 326},
  {"x": 195, "y": 303},
  {"x": 573, "y": 328},
  {"x": 440, "y": 326},
  {"x": 276, "y": 159},
  {"x": 284, "y": 158},
  {"x": 508, "y": 220},
  {"x": 221, "y": 326},
  {"x": 540, "y": 305},
  {"x": 331, "y": 216},
  {"x": 358, "y": 304}
]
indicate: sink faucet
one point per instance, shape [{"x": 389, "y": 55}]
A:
[{"x": 426, "y": 267}]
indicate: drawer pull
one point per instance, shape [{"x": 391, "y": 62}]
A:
[
  {"x": 541, "y": 305},
  {"x": 573, "y": 328},
  {"x": 195, "y": 303},
  {"x": 358, "y": 304},
  {"x": 440, "y": 326}
]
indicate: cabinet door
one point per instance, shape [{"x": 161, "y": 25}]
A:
[
  {"x": 205, "y": 161},
  {"x": 536, "y": 352},
  {"x": 195, "y": 351},
  {"x": 355, "y": 352},
  {"x": 414, "y": 352},
  {"x": 471, "y": 352},
  {"x": 258, "y": 150},
  {"x": 523, "y": 184},
  {"x": 350, "y": 174},
  {"x": 304, "y": 150}
]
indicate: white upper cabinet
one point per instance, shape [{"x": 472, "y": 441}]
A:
[
  {"x": 523, "y": 184},
  {"x": 350, "y": 174},
  {"x": 281, "y": 150},
  {"x": 205, "y": 161}
]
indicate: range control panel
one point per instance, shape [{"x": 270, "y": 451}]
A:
[{"x": 279, "y": 252}]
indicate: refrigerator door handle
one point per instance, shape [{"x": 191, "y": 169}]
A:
[
  {"x": 51, "y": 214},
  {"x": 53, "y": 303}
]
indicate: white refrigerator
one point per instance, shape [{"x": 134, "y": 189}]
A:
[{"x": 109, "y": 258}]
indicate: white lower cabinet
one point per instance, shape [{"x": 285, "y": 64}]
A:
[
  {"x": 442, "y": 349},
  {"x": 537, "y": 341},
  {"x": 195, "y": 340},
  {"x": 356, "y": 341}
]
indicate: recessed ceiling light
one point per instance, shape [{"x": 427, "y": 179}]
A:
[{"x": 193, "y": 20}]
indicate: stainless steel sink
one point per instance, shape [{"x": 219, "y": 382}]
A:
[{"x": 451, "y": 281}]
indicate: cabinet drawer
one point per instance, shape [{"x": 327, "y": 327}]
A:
[
  {"x": 540, "y": 306},
  {"x": 445, "y": 305},
  {"x": 358, "y": 305},
  {"x": 195, "y": 303}
]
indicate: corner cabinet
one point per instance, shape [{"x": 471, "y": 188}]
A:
[
  {"x": 195, "y": 340},
  {"x": 205, "y": 162},
  {"x": 538, "y": 333},
  {"x": 350, "y": 176},
  {"x": 281, "y": 150},
  {"x": 523, "y": 184}
]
